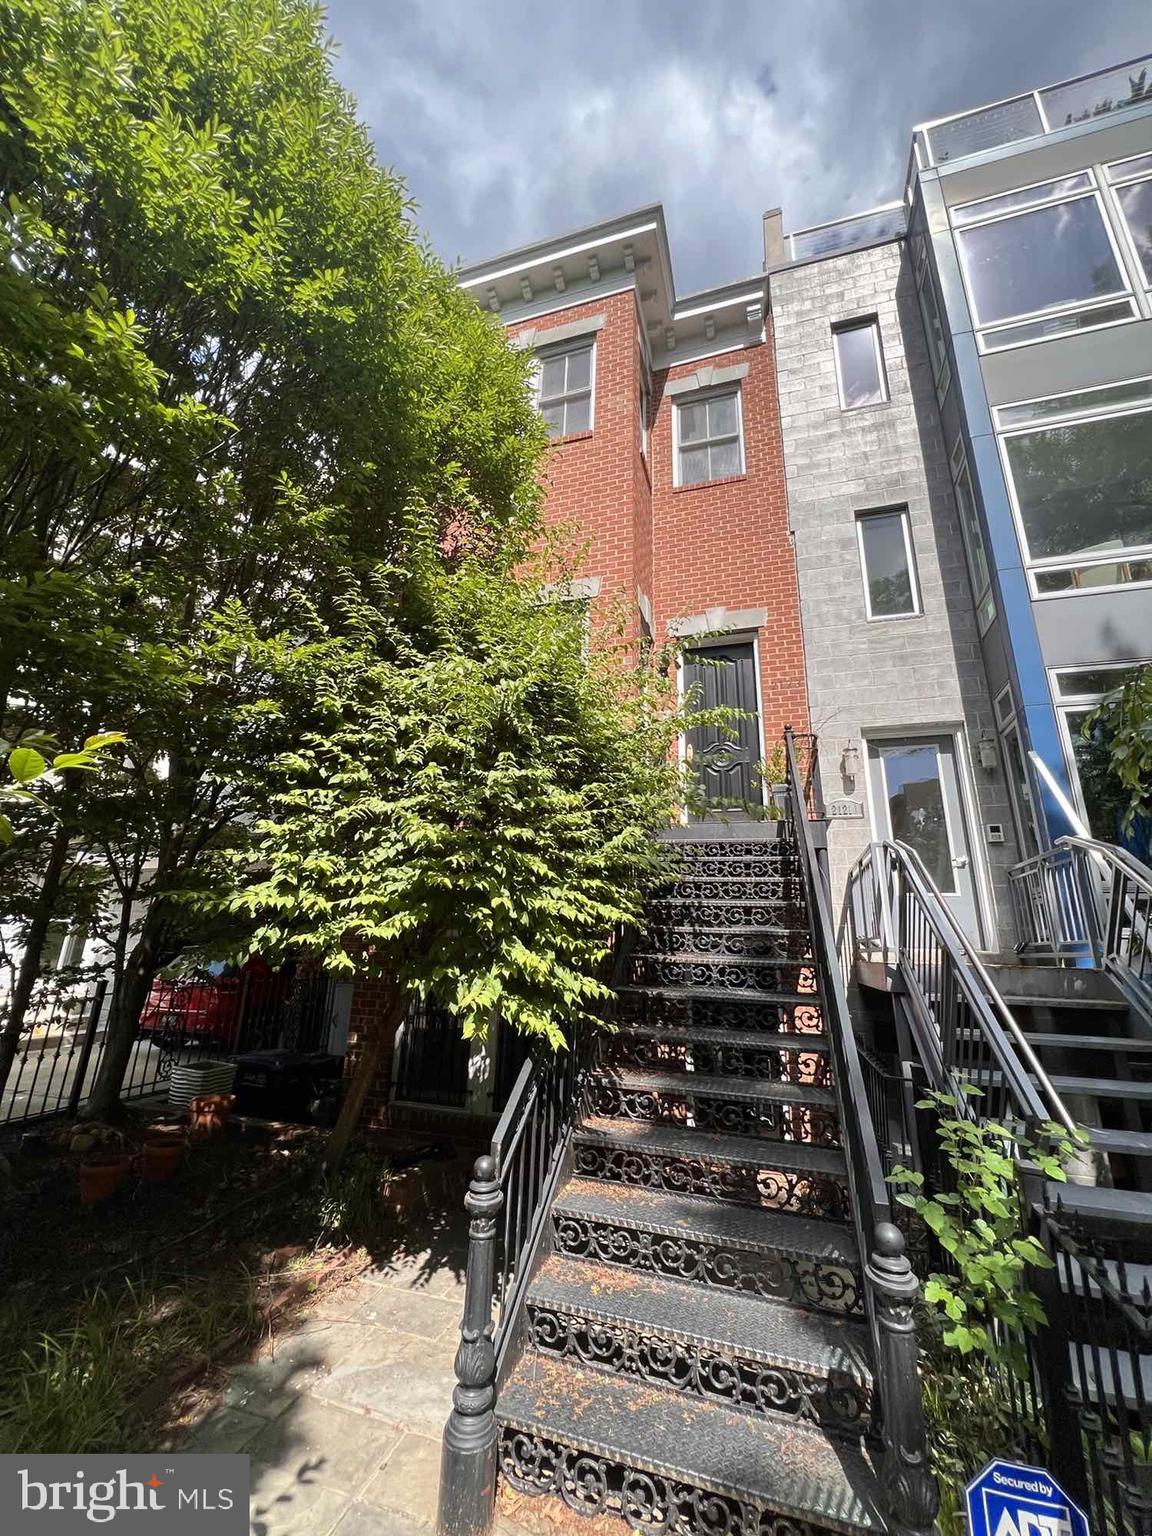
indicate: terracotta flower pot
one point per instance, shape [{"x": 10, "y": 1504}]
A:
[
  {"x": 160, "y": 1157},
  {"x": 210, "y": 1113},
  {"x": 102, "y": 1175}
]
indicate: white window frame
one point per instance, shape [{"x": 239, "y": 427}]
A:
[
  {"x": 937, "y": 345},
  {"x": 986, "y": 331},
  {"x": 870, "y": 323},
  {"x": 1069, "y": 704},
  {"x": 1072, "y": 418},
  {"x": 1116, "y": 184},
  {"x": 697, "y": 397},
  {"x": 917, "y": 609},
  {"x": 565, "y": 349}
]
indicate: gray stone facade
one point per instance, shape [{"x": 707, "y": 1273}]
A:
[{"x": 921, "y": 674}]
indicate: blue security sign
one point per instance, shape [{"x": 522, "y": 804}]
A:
[{"x": 1010, "y": 1500}]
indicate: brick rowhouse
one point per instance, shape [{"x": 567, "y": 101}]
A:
[{"x": 673, "y": 559}]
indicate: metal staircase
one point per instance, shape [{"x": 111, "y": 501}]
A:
[{"x": 709, "y": 1329}]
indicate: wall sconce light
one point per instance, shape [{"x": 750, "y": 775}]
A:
[
  {"x": 850, "y": 761},
  {"x": 986, "y": 752}
]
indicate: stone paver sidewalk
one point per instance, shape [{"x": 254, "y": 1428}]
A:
[{"x": 342, "y": 1415}]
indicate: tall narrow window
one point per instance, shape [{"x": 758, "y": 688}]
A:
[
  {"x": 709, "y": 440},
  {"x": 860, "y": 364},
  {"x": 886, "y": 559},
  {"x": 564, "y": 388}
]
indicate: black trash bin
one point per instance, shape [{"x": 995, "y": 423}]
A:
[{"x": 281, "y": 1085}]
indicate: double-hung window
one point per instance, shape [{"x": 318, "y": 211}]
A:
[
  {"x": 564, "y": 378},
  {"x": 975, "y": 551},
  {"x": 859, "y": 364},
  {"x": 1132, "y": 188},
  {"x": 886, "y": 560},
  {"x": 1039, "y": 262},
  {"x": 1079, "y": 467},
  {"x": 709, "y": 437}
]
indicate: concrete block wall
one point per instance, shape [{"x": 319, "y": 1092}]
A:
[{"x": 919, "y": 673}]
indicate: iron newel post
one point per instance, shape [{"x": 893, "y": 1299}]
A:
[
  {"x": 468, "y": 1462},
  {"x": 911, "y": 1497}
]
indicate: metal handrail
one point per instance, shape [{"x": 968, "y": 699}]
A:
[{"x": 990, "y": 1013}]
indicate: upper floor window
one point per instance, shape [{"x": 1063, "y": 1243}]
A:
[
  {"x": 645, "y": 408},
  {"x": 886, "y": 560},
  {"x": 709, "y": 437},
  {"x": 972, "y": 533},
  {"x": 1081, "y": 481},
  {"x": 1132, "y": 181},
  {"x": 564, "y": 388},
  {"x": 1040, "y": 250},
  {"x": 860, "y": 364}
]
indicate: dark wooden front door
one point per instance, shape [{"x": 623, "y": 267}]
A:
[{"x": 725, "y": 758}]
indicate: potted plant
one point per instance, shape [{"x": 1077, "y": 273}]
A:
[
  {"x": 160, "y": 1154},
  {"x": 210, "y": 1113},
  {"x": 102, "y": 1173}
]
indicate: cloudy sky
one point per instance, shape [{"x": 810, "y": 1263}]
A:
[{"x": 511, "y": 122}]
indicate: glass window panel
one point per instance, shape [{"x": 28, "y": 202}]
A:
[
  {"x": 553, "y": 419},
  {"x": 1082, "y": 402},
  {"x": 1109, "y": 91},
  {"x": 1021, "y": 792},
  {"x": 1035, "y": 260},
  {"x": 916, "y": 807},
  {"x": 1136, "y": 201},
  {"x": 1139, "y": 165},
  {"x": 1058, "y": 325},
  {"x": 694, "y": 423},
  {"x": 693, "y": 466},
  {"x": 579, "y": 369},
  {"x": 579, "y": 417},
  {"x": 551, "y": 377},
  {"x": 886, "y": 568},
  {"x": 1078, "y": 576},
  {"x": 1085, "y": 488},
  {"x": 986, "y": 128},
  {"x": 858, "y": 357},
  {"x": 1023, "y": 198},
  {"x": 725, "y": 459},
  {"x": 973, "y": 535},
  {"x": 1078, "y": 682},
  {"x": 722, "y": 416}
]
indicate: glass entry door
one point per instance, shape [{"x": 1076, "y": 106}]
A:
[{"x": 916, "y": 800}]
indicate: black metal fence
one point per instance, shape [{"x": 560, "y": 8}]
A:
[{"x": 66, "y": 1035}]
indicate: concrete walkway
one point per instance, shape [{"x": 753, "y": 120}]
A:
[{"x": 342, "y": 1416}]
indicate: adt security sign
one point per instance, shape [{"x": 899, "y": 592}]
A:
[{"x": 1008, "y": 1500}]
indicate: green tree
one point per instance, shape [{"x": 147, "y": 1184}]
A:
[
  {"x": 1117, "y": 752},
  {"x": 476, "y": 816},
  {"x": 232, "y": 384}
]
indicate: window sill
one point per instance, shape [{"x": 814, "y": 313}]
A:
[
  {"x": 572, "y": 437},
  {"x": 708, "y": 485},
  {"x": 892, "y": 618},
  {"x": 873, "y": 405}
]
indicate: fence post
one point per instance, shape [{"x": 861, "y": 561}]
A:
[
  {"x": 76, "y": 1093},
  {"x": 468, "y": 1462},
  {"x": 910, "y": 1495}
]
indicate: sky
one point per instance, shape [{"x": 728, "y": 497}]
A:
[{"x": 511, "y": 122}]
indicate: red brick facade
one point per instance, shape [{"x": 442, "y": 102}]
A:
[{"x": 722, "y": 544}]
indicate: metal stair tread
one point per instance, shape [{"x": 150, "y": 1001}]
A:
[
  {"x": 716, "y": 994},
  {"x": 702, "y": 957},
  {"x": 1045, "y": 1039},
  {"x": 1059, "y": 1004},
  {"x": 740, "y": 1039},
  {"x": 748, "y": 1151},
  {"x": 723, "y": 1321},
  {"x": 727, "y": 901},
  {"x": 755, "y": 930},
  {"x": 1131, "y": 1143},
  {"x": 743, "y": 1089},
  {"x": 795, "y": 1471},
  {"x": 1086, "y": 1087},
  {"x": 746, "y": 1227}
]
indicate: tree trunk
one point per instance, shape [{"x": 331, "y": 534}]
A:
[
  {"x": 383, "y": 1032},
  {"x": 132, "y": 988},
  {"x": 29, "y": 971}
]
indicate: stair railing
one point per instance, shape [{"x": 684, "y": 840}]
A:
[
  {"x": 1087, "y": 897},
  {"x": 910, "y": 1495},
  {"x": 963, "y": 1031}
]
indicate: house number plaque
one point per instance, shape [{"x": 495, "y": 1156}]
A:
[{"x": 844, "y": 810}]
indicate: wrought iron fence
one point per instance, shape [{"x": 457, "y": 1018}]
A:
[
  {"x": 1085, "y": 898},
  {"x": 66, "y": 1035}
]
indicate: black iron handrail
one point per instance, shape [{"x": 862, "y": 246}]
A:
[
  {"x": 1084, "y": 897},
  {"x": 964, "y": 1030},
  {"x": 890, "y": 1287}
]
